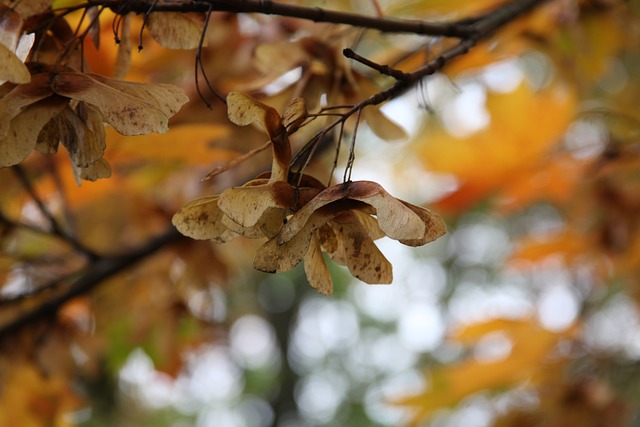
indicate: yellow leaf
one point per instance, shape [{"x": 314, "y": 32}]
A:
[
  {"x": 510, "y": 145},
  {"x": 195, "y": 144},
  {"x": 448, "y": 385}
]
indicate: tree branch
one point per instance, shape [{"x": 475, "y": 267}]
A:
[
  {"x": 268, "y": 7},
  {"x": 95, "y": 274}
]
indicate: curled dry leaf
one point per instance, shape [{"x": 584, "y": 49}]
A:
[
  {"x": 70, "y": 107},
  {"x": 131, "y": 108},
  {"x": 201, "y": 219},
  {"x": 12, "y": 68},
  {"x": 174, "y": 30},
  {"x": 294, "y": 114},
  {"x": 21, "y": 132},
  {"x": 347, "y": 237},
  {"x": 316, "y": 270},
  {"x": 97, "y": 170},
  {"x": 395, "y": 218},
  {"x": 243, "y": 110}
]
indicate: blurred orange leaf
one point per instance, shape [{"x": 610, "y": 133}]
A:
[
  {"x": 524, "y": 125},
  {"x": 448, "y": 385}
]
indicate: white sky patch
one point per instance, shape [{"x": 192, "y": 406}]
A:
[
  {"x": 282, "y": 82},
  {"x": 319, "y": 395},
  {"x": 323, "y": 326},
  {"x": 378, "y": 395},
  {"x": 466, "y": 112},
  {"x": 558, "y": 307},
  {"x": 503, "y": 77},
  {"x": 585, "y": 139},
  {"x": 421, "y": 327},
  {"x": 492, "y": 347},
  {"x": 253, "y": 339}
]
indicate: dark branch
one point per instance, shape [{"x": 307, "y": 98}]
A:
[
  {"x": 94, "y": 275},
  {"x": 382, "y": 69},
  {"x": 267, "y": 7},
  {"x": 56, "y": 228}
]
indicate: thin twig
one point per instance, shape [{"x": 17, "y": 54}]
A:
[
  {"x": 382, "y": 69},
  {"x": 95, "y": 274},
  {"x": 56, "y": 227},
  {"x": 268, "y": 7}
]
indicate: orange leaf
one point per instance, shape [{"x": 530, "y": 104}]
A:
[{"x": 524, "y": 125}]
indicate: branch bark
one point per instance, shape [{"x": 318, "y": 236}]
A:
[
  {"x": 95, "y": 274},
  {"x": 268, "y": 7}
]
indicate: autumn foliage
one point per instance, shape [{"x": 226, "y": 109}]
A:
[{"x": 195, "y": 196}]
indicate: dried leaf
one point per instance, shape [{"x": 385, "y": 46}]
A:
[
  {"x": 23, "y": 130},
  {"x": 246, "y": 205},
  {"x": 97, "y": 170},
  {"x": 201, "y": 219},
  {"x": 21, "y": 96},
  {"x": 361, "y": 255},
  {"x": 243, "y": 110},
  {"x": 12, "y": 69},
  {"x": 278, "y": 58},
  {"x": 94, "y": 28},
  {"x": 394, "y": 218},
  {"x": 294, "y": 114},
  {"x": 10, "y": 28},
  {"x": 274, "y": 258},
  {"x": 316, "y": 269},
  {"x": 131, "y": 108},
  {"x": 435, "y": 226},
  {"x": 174, "y": 30}
]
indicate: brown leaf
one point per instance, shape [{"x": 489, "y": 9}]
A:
[
  {"x": 131, "y": 108},
  {"x": 246, "y": 205},
  {"x": 82, "y": 133},
  {"x": 201, "y": 219},
  {"x": 97, "y": 170},
  {"x": 394, "y": 218},
  {"x": 274, "y": 258},
  {"x": 22, "y": 133},
  {"x": 94, "y": 28},
  {"x": 12, "y": 69},
  {"x": 316, "y": 269},
  {"x": 244, "y": 110},
  {"x": 294, "y": 114},
  {"x": 382, "y": 126},
  {"x": 20, "y": 97},
  {"x": 361, "y": 255},
  {"x": 174, "y": 30},
  {"x": 434, "y": 226}
]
